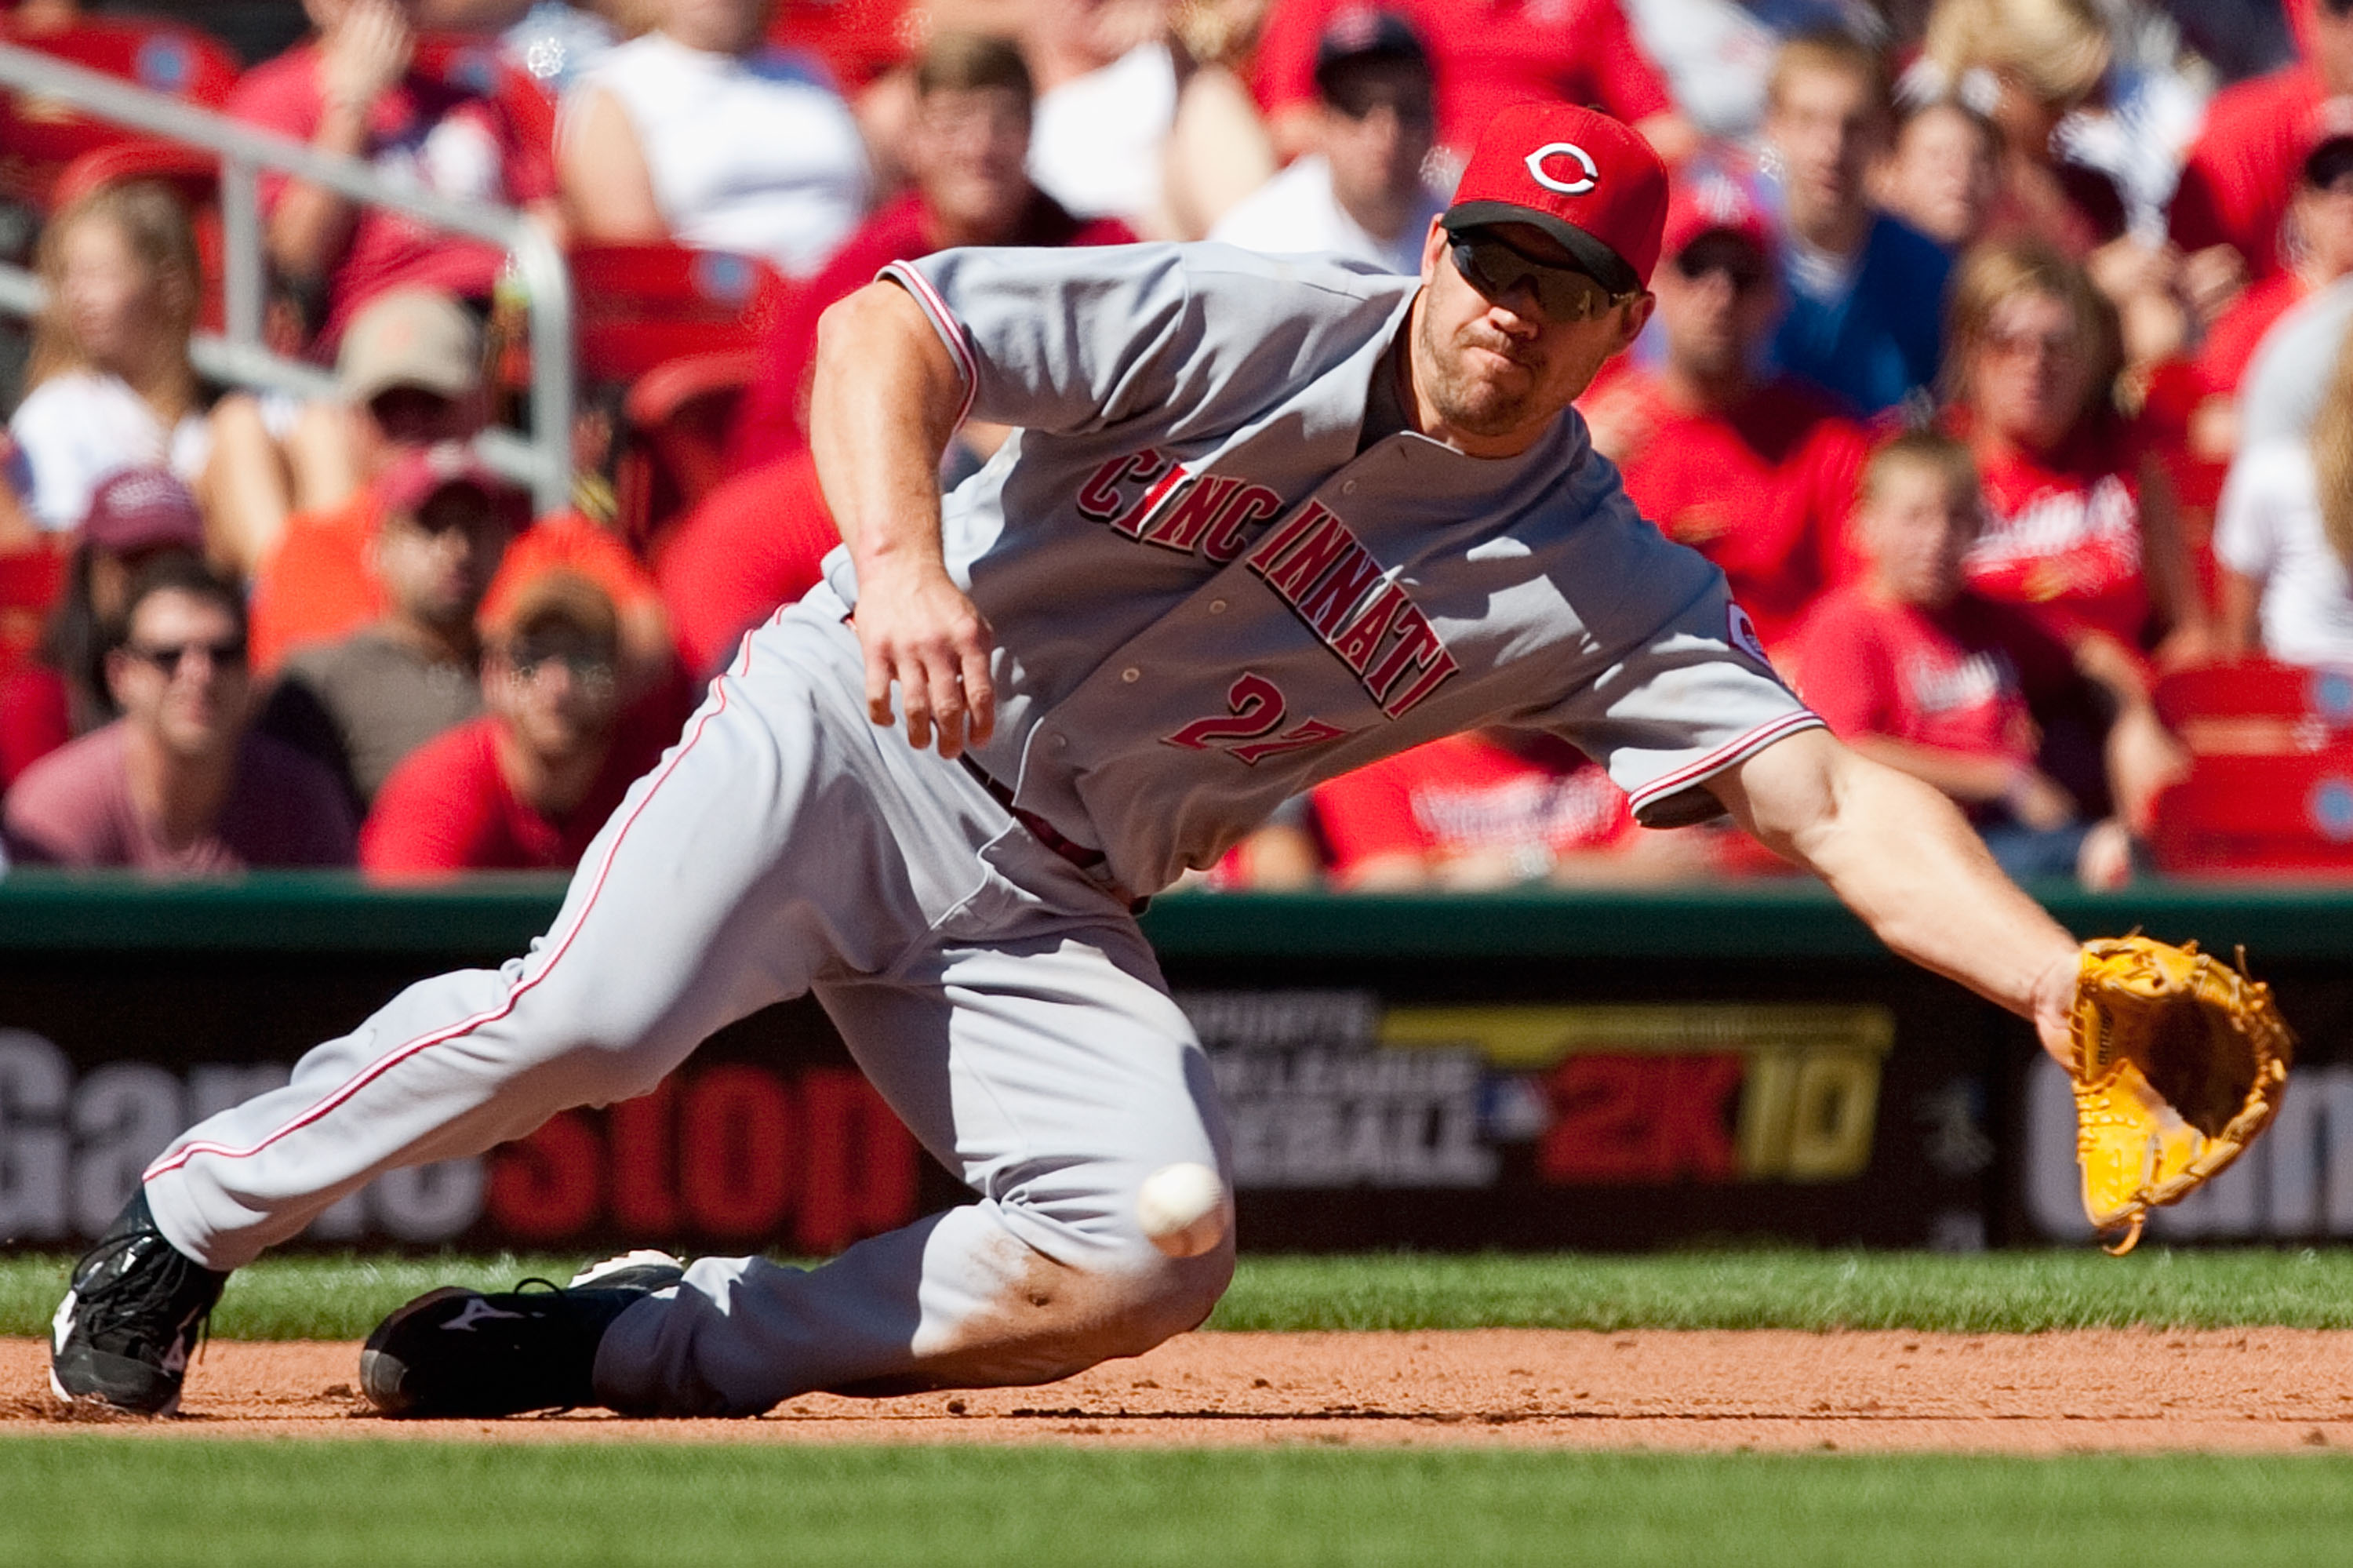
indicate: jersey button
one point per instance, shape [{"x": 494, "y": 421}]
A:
[
  {"x": 1131, "y": 674},
  {"x": 1217, "y": 607},
  {"x": 1348, "y": 487}
]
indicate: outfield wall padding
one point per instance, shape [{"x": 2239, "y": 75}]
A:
[{"x": 1527, "y": 1070}]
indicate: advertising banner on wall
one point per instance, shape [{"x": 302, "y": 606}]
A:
[
  {"x": 1619, "y": 1078},
  {"x": 1364, "y": 1112}
]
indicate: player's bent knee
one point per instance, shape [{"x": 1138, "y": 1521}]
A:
[{"x": 1159, "y": 1297}]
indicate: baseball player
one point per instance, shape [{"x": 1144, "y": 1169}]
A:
[{"x": 1264, "y": 520}]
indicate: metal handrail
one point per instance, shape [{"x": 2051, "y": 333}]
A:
[{"x": 239, "y": 355}]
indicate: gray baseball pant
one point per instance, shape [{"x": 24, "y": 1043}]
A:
[{"x": 1008, "y": 1008}]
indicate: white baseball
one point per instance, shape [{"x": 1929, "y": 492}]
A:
[{"x": 1182, "y": 1209}]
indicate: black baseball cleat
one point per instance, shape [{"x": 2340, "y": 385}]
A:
[
  {"x": 123, "y": 1335},
  {"x": 459, "y": 1352}
]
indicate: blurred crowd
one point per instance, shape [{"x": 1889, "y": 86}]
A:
[{"x": 1997, "y": 361}]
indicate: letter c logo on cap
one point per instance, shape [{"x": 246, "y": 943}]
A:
[{"x": 1551, "y": 150}]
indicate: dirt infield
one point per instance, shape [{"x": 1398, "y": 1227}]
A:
[{"x": 2239, "y": 1389}]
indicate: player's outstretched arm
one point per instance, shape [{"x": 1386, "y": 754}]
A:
[
  {"x": 883, "y": 407},
  {"x": 1901, "y": 856}
]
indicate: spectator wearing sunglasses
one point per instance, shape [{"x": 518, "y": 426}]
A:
[
  {"x": 1865, "y": 292},
  {"x": 179, "y": 785},
  {"x": 1753, "y": 469},
  {"x": 1360, "y": 193},
  {"x": 528, "y": 784}
]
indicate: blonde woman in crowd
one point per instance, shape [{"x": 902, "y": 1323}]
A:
[
  {"x": 2081, "y": 526},
  {"x": 111, "y": 385},
  {"x": 2284, "y": 535}
]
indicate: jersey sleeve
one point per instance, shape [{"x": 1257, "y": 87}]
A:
[
  {"x": 1687, "y": 692},
  {"x": 1071, "y": 340}
]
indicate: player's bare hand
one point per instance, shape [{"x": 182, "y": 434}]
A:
[
  {"x": 2054, "y": 1006},
  {"x": 924, "y": 635}
]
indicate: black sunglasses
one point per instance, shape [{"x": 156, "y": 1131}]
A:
[
  {"x": 1563, "y": 294},
  {"x": 1744, "y": 271},
  {"x": 228, "y": 654}
]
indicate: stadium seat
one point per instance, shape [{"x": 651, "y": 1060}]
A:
[
  {"x": 2253, "y": 814},
  {"x": 640, "y": 305},
  {"x": 40, "y": 137},
  {"x": 2255, "y": 707},
  {"x": 476, "y": 64}
]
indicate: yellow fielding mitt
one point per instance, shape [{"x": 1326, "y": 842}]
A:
[{"x": 2179, "y": 1063}]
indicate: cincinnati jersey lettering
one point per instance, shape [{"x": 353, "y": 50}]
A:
[{"x": 1315, "y": 564}]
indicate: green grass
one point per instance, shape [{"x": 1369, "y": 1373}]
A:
[
  {"x": 342, "y": 1297},
  {"x": 105, "y": 1499}
]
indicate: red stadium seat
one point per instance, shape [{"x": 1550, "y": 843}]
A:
[
  {"x": 2257, "y": 708},
  {"x": 640, "y": 305},
  {"x": 2245, "y": 814},
  {"x": 38, "y": 137},
  {"x": 476, "y": 64}
]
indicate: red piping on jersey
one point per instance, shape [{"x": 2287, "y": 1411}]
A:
[
  {"x": 1730, "y": 751},
  {"x": 951, "y": 331},
  {"x": 402, "y": 1053}
]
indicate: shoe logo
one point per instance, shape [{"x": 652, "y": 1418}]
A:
[
  {"x": 477, "y": 1311},
  {"x": 61, "y": 1325}
]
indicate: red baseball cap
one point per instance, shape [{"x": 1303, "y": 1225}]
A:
[
  {"x": 420, "y": 473},
  {"x": 1710, "y": 200},
  {"x": 143, "y": 508},
  {"x": 1588, "y": 181}
]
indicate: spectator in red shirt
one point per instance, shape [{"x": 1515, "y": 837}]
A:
[
  {"x": 1910, "y": 667},
  {"x": 352, "y": 90},
  {"x": 1486, "y": 810},
  {"x": 179, "y": 784},
  {"x": 526, "y": 787},
  {"x": 2319, "y": 236},
  {"x": 2080, "y": 520},
  {"x": 969, "y": 144},
  {"x": 2239, "y": 175},
  {"x": 1754, "y": 470},
  {"x": 1491, "y": 54}
]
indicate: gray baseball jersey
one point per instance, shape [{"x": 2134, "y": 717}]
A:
[{"x": 1206, "y": 598}]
